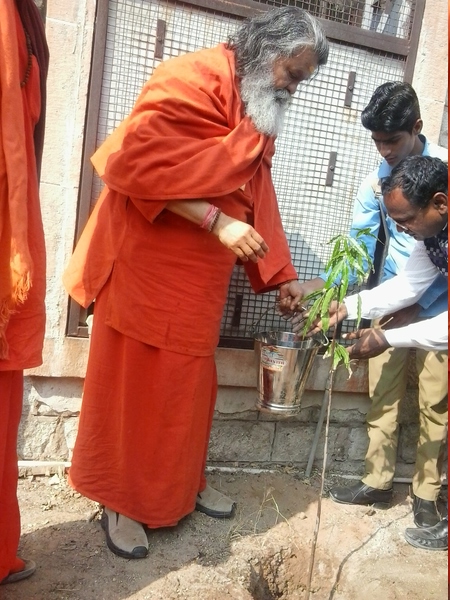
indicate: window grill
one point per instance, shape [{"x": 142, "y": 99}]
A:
[
  {"x": 323, "y": 152},
  {"x": 391, "y": 17}
]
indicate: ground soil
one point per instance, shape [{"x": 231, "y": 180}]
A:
[{"x": 263, "y": 553}]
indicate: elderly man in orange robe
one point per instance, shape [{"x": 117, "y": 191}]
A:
[
  {"x": 23, "y": 72},
  {"x": 188, "y": 190}
]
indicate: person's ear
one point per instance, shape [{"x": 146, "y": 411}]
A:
[
  {"x": 440, "y": 202},
  {"x": 417, "y": 127}
]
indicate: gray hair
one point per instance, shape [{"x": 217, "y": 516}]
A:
[{"x": 279, "y": 32}]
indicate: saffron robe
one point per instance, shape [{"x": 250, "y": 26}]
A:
[
  {"x": 160, "y": 284},
  {"x": 22, "y": 330}
]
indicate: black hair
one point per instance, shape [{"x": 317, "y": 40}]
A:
[
  {"x": 419, "y": 178},
  {"x": 394, "y": 106}
]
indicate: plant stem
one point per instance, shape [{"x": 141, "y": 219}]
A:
[
  {"x": 324, "y": 466},
  {"x": 348, "y": 255}
]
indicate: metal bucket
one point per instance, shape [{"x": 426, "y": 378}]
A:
[{"x": 284, "y": 361}]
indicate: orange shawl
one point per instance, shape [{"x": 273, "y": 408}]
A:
[
  {"x": 22, "y": 251},
  {"x": 15, "y": 258},
  {"x": 186, "y": 138}
]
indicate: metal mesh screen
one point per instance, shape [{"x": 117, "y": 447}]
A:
[
  {"x": 318, "y": 123},
  {"x": 391, "y": 17}
]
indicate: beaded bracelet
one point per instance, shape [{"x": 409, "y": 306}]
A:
[
  {"x": 210, "y": 218},
  {"x": 215, "y": 219}
]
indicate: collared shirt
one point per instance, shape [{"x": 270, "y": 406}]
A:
[
  {"x": 366, "y": 214},
  {"x": 403, "y": 290}
]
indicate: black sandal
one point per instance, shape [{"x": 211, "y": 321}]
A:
[{"x": 27, "y": 571}]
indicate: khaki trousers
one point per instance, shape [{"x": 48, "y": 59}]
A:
[{"x": 387, "y": 386}]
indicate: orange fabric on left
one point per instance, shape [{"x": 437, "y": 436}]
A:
[
  {"x": 22, "y": 250},
  {"x": 11, "y": 391},
  {"x": 22, "y": 279}
]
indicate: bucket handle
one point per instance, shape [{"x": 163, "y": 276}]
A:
[
  {"x": 252, "y": 327},
  {"x": 324, "y": 341}
]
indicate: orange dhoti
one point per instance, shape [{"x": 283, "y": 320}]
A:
[{"x": 144, "y": 426}]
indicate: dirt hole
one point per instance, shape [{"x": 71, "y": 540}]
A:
[{"x": 278, "y": 576}]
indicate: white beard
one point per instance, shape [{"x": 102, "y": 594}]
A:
[{"x": 265, "y": 105}]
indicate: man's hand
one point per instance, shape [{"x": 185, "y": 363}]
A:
[
  {"x": 369, "y": 343},
  {"x": 241, "y": 238},
  {"x": 291, "y": 296},
  {"x": 401, "y": 318}
]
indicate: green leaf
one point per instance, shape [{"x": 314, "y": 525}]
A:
[
  {"x": 357, "y": 247},
  {"x": 344, "y": 285},
  {"x": 358, "y": 311},
  {"x": 338, "y": 355},
  {"x": 313, "y": 312},
  {"x": 364, "y": 231},
  {"x": 313, "y": 296},
  {"x": 335, "y": 273},
  {"x": 344, "y": 357},
  {"x": 328, "y": 298},
  {"x": 333, "y": 239}
]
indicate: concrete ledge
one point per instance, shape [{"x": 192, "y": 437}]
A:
[
  {"x": 63, "y": 357},
  {"x": 237, "y": 367},
  {"x": 29, "y": 468}
]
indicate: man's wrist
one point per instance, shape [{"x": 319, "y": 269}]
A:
[
  {"x": 286, "y": 282},
  {"x": 221, "y": 222}
]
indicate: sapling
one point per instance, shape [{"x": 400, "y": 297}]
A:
[{"x": 349, "y": 256}]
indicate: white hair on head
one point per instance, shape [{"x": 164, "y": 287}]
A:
[{"x": 276, "y": 33}]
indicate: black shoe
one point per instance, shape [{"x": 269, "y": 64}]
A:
[
  {"x": 429, "y": 538},
  {"x": 425, "y": 512},
  {"x": 360, "y": 493}
]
